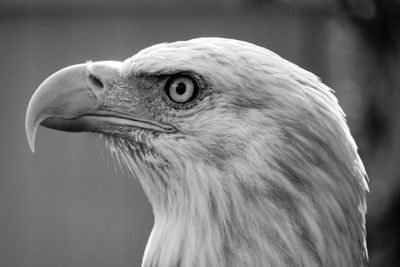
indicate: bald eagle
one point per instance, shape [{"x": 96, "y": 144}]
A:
[{"x": 245, "y": 157}]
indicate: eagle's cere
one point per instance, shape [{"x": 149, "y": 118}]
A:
[{"x": 245, "y": 157}]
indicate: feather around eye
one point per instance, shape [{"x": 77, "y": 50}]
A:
[{"x": 181, "y": 91}]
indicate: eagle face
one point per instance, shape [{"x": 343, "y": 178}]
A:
[
  {"x": 229, "y": 91},
  {"x": 245, "y": 157},
  {"x": 196, "y": 91}
]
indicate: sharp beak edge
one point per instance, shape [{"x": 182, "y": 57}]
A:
[{"x": 65, "y": 96}]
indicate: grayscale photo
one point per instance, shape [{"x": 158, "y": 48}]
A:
[{"x": 216, "y": 133}]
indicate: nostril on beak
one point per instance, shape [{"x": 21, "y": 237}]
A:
[{"x": 95, "y": 82}]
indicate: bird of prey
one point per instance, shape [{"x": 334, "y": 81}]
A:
[{"x": 246, "y": 158}]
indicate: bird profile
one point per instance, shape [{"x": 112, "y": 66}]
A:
[{"x": 246, "y": 158}]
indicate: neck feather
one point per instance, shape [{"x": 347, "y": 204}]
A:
[
  {"x": 300, "y": 204},
  {"x": 265, "y": 217}
]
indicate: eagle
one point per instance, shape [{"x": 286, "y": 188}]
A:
[{"x": 245, "y": 157}]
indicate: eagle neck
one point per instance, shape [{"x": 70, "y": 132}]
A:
[{"x": 188, "y": 223}]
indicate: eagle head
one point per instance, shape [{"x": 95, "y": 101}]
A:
[{"x": 245, "y": 157}]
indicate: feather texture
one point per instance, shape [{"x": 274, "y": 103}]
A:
[{"x": 263, "y": 172}]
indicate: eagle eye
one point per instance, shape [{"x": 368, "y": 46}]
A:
[{"x": 181, "y": 89}]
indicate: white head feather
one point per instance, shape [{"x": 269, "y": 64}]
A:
[
  {"x": 264, "y": 171},
  {"x": 257, "y": 169}
]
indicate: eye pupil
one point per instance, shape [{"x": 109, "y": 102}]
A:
[{"x": 180, "y": 89}]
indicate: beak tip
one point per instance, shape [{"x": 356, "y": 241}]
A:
[
  {"x": 30, "y": 136},
  {"x": 30, "y": 129},
  {"x": 32, "y": 147}
]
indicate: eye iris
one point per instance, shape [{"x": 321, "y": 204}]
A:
[{"x": 181, "y": 89}]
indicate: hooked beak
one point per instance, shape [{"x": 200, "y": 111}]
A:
[{"x": 68, "y": 100}]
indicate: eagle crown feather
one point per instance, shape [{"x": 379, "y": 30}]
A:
[{"x": 263, "y": 171}]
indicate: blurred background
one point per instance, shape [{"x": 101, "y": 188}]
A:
[{"x": 66, "y": 206}]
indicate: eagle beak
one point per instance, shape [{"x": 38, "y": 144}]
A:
[{"x": 68, "y": 100}]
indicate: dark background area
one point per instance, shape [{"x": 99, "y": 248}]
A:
[{"x": 67, "y": 206}]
